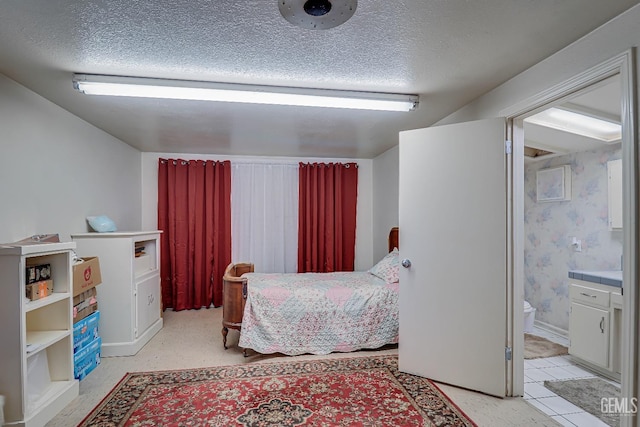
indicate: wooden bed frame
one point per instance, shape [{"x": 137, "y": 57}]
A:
[
  {"x": 234, "y": 296},
  {"x": 234, "y": 291},
  {"x": 393, "y": 239}
]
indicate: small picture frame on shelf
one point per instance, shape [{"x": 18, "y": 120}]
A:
[{"x": 553, "y": 184}]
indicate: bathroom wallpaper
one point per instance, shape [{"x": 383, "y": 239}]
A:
[{"x": 550, "y": 226}]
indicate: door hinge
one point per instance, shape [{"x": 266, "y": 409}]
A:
[
  {"x": 507, "y": 353},
  {"x": 507, "y": 147}
]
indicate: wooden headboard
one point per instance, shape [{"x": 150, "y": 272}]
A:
[{"x": 393, "y": 239}]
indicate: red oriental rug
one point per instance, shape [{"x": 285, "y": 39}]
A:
[{"x": 363, "y": 391}]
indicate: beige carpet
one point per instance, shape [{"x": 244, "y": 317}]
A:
[{"x": 536, "y": 347}]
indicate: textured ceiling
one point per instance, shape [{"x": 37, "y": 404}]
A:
[{"x": 448, "y": 52}]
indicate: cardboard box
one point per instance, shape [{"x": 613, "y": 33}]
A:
[
  {"x": 86, "y": 275},
  {"x": 86, "y": 295},
  {"x": 86, "y": 365},
  {"x": 40, "y": 289},
  {"x": 84, "y": 309},
  {"x": 85, "y": 331},
  {"x": 85, "y": 304},
  {"x": 37, "y": 273},
  {"x": 87, "y": 359}
]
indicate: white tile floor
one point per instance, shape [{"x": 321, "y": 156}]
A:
[{"x": 536, "y": 371}]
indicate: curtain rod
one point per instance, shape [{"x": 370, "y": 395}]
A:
[
  {"x": 256, "y": 162},
  {"x": 269, "y": 163}
]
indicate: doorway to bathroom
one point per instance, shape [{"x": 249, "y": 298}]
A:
[
  {"x": 564, "y": 227},
  {"x": 571, "y": 236},
  {"x": 572, "y": 194}
]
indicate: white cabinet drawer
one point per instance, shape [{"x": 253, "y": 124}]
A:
[{"x": 589, "y": 296}]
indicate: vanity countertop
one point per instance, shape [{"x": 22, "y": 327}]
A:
[{"x": 607, "y": 277}]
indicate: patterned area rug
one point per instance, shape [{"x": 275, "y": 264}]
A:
[
  {"x": 355, "y": 391},
  {"x": 536, "y": 347}
]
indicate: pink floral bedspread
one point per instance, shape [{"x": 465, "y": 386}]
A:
[{"x": 318, "y": 313}]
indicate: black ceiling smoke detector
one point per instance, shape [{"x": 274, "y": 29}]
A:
[
  {"x": 317, "y": 7},
  {"x": 317, "y": 14}
]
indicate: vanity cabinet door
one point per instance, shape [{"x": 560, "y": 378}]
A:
[{"x": 589, "y": 328}]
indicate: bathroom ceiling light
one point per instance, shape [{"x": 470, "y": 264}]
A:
[
  {"x": 581, "y": 124},
  {"x": 226, "y": 92}
]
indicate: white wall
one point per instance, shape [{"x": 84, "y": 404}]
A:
[
  {"x": 549, "y": 227},
  {"x": 386, "y": 177},
  {"x": 613, "y": 38},
  {"x": 364, "y": 245},
  {"x": 56, "y": 169}
]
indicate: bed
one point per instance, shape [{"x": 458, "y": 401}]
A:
[{"x": 316, "y": 313}]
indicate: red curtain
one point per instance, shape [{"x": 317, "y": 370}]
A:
[
  {"x": 327, "y": 217},
  {"x": 194, "y": 213}
]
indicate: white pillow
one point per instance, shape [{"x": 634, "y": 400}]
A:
[
  {"x": 101, "y": 223},
  {"x": 388, "y": 268}
]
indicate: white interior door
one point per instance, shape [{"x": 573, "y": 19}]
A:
[{"x": 453, "y": 229}]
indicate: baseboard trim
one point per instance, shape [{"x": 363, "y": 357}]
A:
[
  {"x": 133, "y": 347},
  {"x": 551, "y": 329}
]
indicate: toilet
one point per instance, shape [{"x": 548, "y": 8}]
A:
[{"x": 529, "y": 316}]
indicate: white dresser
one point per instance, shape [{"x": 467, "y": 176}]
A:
[{"x": 129, "y": 298}]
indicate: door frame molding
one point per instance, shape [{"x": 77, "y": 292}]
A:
[{"x": 622, "y": 64}]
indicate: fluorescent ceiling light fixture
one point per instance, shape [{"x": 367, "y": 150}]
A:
[
  {"x": 581, "y": 124},
  {"x": 226, "y": 92}
]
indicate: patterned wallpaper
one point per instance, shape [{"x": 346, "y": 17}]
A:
[{"x": 550, "y": 226}]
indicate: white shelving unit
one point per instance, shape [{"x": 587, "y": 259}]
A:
[
  {"x": 129, "y": 298},
  {"x": 36, "y": 336}
]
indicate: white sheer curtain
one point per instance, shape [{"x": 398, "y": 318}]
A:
[{"x": 264, "y": 216}]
